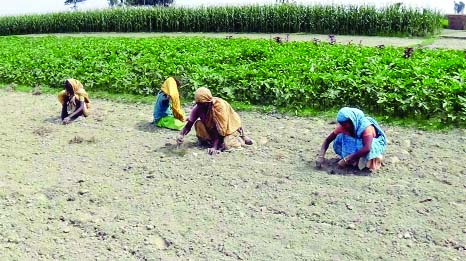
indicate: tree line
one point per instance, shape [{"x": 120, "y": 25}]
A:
[
  {"x": 114, "y": 3},
  {"x": 74, "y": 3}
]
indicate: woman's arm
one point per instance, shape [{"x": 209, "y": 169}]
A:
[
  {"x": 215, "y": 149},
  {"x": 331, "y": 137},
  {"x": 367, "y": 144},
  {"x": 64, "y": 112},
  {"x": 193, "y": 116},
  {"x": 76, "y": 112},
  {"x": 187, "y": 128},
  {"x": 320, "y": 159}
]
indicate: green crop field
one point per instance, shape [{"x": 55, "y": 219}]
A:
[
  {"x": 295, "y": 75},
  {"x": 354, "y": 20}
]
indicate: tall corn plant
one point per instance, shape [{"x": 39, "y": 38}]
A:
[{"x": 283, "y": 18}]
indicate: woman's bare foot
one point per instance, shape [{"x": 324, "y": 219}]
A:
[{"x": 247, "y": 140}]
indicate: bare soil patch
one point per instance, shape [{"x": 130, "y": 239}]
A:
[{"x": 125, "y": 191}]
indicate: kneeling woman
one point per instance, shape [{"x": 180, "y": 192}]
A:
[
  {"x": 75, "y": 101},
  {"x": 167, "y": 107},
  {"x": 217, "y": 125},
  {"x": 358, "y": 140}
]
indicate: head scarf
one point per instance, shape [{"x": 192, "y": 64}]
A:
[
  {"x": 203, "y": 95},
  {"x": 78, "y": 90},
  {"x": 359, "y": 120},
  {"x": 170, "y": 88},
  {"x": 75, "y": 85},
  {"x": 357, "y": 117},
  {"x": 226, "y": 120}
]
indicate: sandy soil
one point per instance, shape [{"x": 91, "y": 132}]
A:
[
  {"x": 341, "y": 39},
  {"x": 112, "y": 186},
  {"x": 449, "y": 43},
  {"x": 449, "y": 39}
]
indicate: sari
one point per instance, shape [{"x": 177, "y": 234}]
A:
[
  {"x": 80, "y": 94},
  {"x": 345, "y": 145},
  {"x": 167, "y": 107},
  {"x": 221, "y": 117}
]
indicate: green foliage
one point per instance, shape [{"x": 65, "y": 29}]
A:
[
  {"x": 285, "y": 18},
  {"x": 444, "y": 23},
  {"x": 295, "y": 75}
]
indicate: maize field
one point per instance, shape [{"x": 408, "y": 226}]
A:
[{"x": 351, "y": 20}]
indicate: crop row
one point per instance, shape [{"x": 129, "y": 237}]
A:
[
  {"x": 430, "y": 83},
  {"x": 361, "y": 20}
]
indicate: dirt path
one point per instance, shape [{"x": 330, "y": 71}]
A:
[
  {"x": 450, "y": 39},
  {"x": 108, "y": 187}
]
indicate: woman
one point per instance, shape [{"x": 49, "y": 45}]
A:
[
  {"x": 167, "y": 107},
  {"x": 358, "y": 140},
  {"x": 217, "y": 125},
  {"x": 75, "y": 101}
]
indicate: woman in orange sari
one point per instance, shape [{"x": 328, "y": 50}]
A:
[
  {"x": 217, "y": 125},
  {"x": 75, "y": 101}
]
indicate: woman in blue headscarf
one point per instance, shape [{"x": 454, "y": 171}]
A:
[{"x": 358, "y": 140}]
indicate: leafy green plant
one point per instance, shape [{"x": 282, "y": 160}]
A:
[{"x": 294, "y": 75}]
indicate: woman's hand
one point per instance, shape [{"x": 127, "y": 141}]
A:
[
  {"x": 343, "y": 162},
  {"x": 213, "y": 151},
  {"x": 319, "y": 161},
  {"x": 66, "y": 120},
  {"x": 180, "y": 139}
]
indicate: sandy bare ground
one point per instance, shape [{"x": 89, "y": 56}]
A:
[
  {"x": 341, "y": 39},
  {"x": 453, "y": 43},
  {"x": 109, "y": 187},
  {"x": 449, "y": 43}
]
